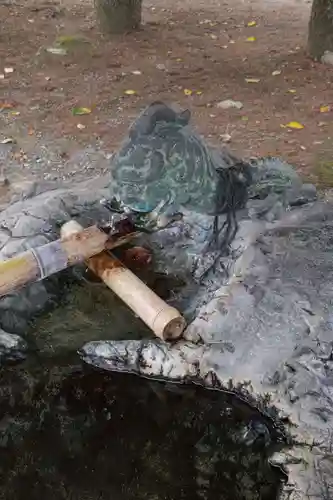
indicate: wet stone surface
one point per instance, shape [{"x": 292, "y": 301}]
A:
[{"x": 259, "y": 326}]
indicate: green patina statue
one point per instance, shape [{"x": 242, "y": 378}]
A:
[{"x": 164, "y": 166}]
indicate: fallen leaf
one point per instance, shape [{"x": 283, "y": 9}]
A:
[
  {"x": 292, "y": 91},
  {"x": 59, "y": 51},
  {"x": 251, "y": 23},
  {"x": 80, "y": 126},
  {"x": 252, "y": 80},
  {"x": 213, "y": 37},
  {"x": 276, "y": 72},
  {"x": 130, "y": 92},
  {"x": 31, "y": 131},
  {"x": 8, "y": 70},
  {"x": 136, "y": 72},
  {"x": 251, "y": 39},
  {"x": 15, "y": 113},
  {"x": 245, "y": 118},
  {"x": 77, "y": 111},
  {"x": 7, "y": 140},
  {"x": 229, "y": 103},
  {"x": 325, "y": 109},
  {"x": 294, "y": 125},
  {"x": 199, "y": 92},
  {"x": 6, "y": 105},
  {"x": 187, "y": 92},
  {"x": 70, "y": 40},
  {"x": 179, "y": 59}
]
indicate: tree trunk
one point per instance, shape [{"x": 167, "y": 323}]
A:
[
  {"x": 119, "y": 16},
  {"x": 321, "y": 28}
]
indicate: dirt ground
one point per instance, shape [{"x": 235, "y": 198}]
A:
[{"x": 193, "y": 53}]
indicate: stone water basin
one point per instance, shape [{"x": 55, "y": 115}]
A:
[
  {"x": 71, "y": 433},
  {"x": 260, "y": 335}
]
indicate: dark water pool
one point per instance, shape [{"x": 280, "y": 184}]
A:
[{"x": 68, "y": 433}]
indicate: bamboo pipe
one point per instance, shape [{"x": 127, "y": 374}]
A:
[
  {"x": 165, "y": 321},
  {"x": 39, "y": 263}
]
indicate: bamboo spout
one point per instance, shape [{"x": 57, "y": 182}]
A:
[{"x": 165, "y": 321}]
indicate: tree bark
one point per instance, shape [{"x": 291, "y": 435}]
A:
[
  {"x": 119, "y": 16},
  {"x": 320, "y": 37}
]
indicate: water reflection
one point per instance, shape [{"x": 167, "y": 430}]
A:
[{"x": 83, "y": 435}]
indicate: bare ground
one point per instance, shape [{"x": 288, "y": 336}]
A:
[{"x": 193, "y": 53}]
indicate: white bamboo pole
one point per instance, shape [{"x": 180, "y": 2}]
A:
[{"x": 165, "y": 321}]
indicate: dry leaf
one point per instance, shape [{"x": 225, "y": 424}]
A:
[
  {"x": 80, "y": 126},
  {"x": 77, "y": 111},
  {"x": 70, "y": 40},
  {"x": 136, "y": 72},
  {"x": 251, "y": 39},
  {"x": 8, "y": 70},
  {"x": 251, "y": 23},
  {"x": 292, "y": 91},
  {"x": 252, "y": 80},
  {"x": 325, "y": 109},
  {"x": 130, "y": 92},
  {"x": 199, "y": 92},
  {"x": 294, "y": 125},
  {"x": 276, "y": 72},
  {"x": 8, "y": 140},
  {"x": 6, "y": 105},
  {"x": 179, "y": 59},
  {"x": 187, "y": 92}
]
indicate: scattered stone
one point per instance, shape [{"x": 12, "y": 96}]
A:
[
  {"x": 59, "y": 51},
  {"x": 12, "y": 347},
  {"x": 327, "y": 58},
  {"x": 226, "y": 138},
  {"x": 7, "y": 140},
  {"x": 229, "y": 103}
]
